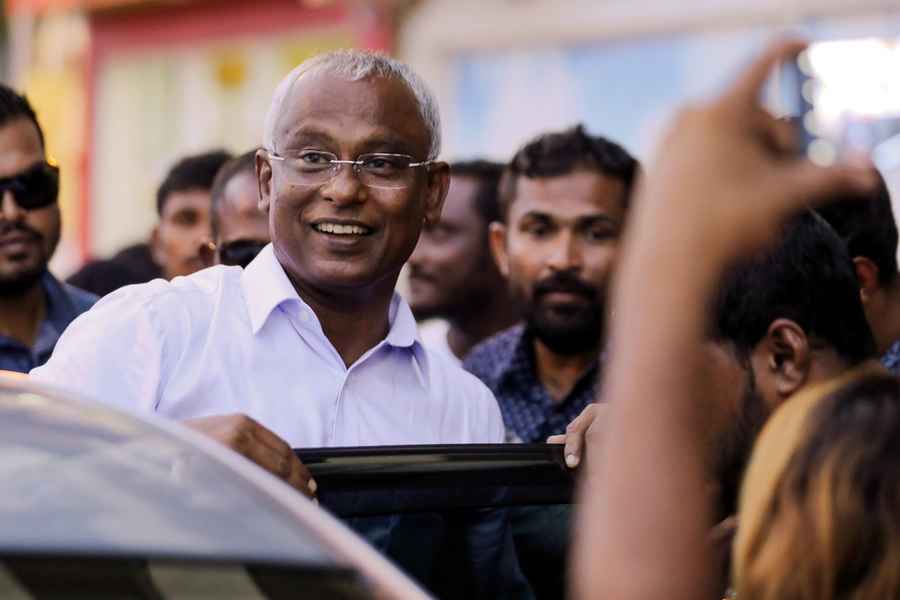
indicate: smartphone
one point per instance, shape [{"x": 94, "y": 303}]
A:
[{"x": 845, "y": 97}]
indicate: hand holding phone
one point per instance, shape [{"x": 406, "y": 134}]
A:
[{"x": 845, "y": 96}]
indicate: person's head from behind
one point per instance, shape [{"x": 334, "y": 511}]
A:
[
  {"x": 452, "y": 272},
  {"x": 819, "y": 514},
  {"x": 29, "y": 183},
  {"x": 349, "y": 173},
  {"x": 563, "y": 200},
  {"x": 789, "y": 318},
  {"x": 239, "y": 229},
  {"x": 182, "y": 202},
  {"x": 868, "y": 229}
]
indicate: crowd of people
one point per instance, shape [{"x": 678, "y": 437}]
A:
[{"x": 704, "y": 338}]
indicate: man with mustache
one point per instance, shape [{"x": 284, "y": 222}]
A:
[
  {"x": 35, "y": 307},
  {"x": 454, "y": 282},
  {"x": 563, "y": 199}
]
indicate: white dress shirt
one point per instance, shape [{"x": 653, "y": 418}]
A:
[{"x": 225, "y": 340}]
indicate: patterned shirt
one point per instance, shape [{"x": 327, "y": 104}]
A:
[
  {"x": 891, "y": 359},
  {"x": 64, "y": 303},
  {"x": 505, "y": 363}
]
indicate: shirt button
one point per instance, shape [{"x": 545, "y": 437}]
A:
[{"x": 304, "y": 316}]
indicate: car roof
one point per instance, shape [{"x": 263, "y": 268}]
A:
[{"x": 82, "y": 478}]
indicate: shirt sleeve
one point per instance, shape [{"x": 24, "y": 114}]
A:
[{"x": 114, "y": 353}]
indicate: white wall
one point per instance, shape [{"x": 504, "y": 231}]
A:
[{"x": 505, "y": 70}]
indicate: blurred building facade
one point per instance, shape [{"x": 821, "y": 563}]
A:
[{"x": 125, "y": 87}]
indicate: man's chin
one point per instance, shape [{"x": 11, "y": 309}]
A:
[{"x": 18, "y": 282}]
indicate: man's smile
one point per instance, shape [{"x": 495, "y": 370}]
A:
[{"x": 336, "y": 228}]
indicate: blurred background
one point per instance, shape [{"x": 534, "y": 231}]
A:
[{"x": 124, "y": 88}]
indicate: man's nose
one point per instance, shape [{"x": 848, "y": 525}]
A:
[
  {"x": 345, "y": 187},
  {"x": 565, "y": 253},
  {"x": 10, "y": 211}
]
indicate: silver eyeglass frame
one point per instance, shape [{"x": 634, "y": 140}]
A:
[{"x": 356, "y": 165}]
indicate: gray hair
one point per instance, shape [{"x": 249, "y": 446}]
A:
[{"x": 356, "y": 65}]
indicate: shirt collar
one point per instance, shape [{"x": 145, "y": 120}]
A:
[
  {"x": 404, "y": 333},
  {"x": 520, "y": 363},
  {"x": 61, "y": 310},
  {"x": 266, "y": 286}
]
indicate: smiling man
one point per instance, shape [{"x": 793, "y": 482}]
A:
[
  {"x": 35, "y": 307},
  {"x": 309, "y": 346}
]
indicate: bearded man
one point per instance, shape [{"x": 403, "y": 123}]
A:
[
  {"x": 563, "y": 200},
  {"x": 35, "y": 307}
]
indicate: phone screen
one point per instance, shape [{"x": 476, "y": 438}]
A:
[{"x": 846, "y": 97}]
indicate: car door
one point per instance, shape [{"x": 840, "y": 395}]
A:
[{"x": 416, "y": 503}]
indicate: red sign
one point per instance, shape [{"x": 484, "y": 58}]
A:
[{"x": 43, "y": 6}]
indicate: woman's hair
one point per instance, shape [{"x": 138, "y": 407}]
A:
[{"x": 819, "y": 515}]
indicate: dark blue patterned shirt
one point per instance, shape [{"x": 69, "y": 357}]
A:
[
  {"x": 64, "y": 303},
  {"x": 505, "y": 363},
  {"x": 891, "y": 359}
]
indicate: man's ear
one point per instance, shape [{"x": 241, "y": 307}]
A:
[
  {"x": 438, "y": 184},
  {"x": 498, "y": 247},
  {"x": 867, "y": 276},
  {"x": 263, "y": 179},
  {"x": 786, "y": 352}
]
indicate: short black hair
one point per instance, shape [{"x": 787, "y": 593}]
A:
[
  {"x": 191, "y": 173},
  {"x": 16, "y": 106},
  {"x": 239, "y": 164},
  {"x": 560, "y": 153},
  {"x": 807, "y": 277},
  {"x": 868, "y": 229},
  {"x": 488, "y": 175}
]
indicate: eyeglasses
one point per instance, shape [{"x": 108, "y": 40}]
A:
[
  {"x": 35, "y": 187},
  {"x": 379, "y": 170},
  {"x": 238, "y": 253}
]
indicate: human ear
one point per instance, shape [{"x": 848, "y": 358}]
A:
[
  {"x": 786, "y": 349},
  {"x": 497, "y": 236},
  {"x": 867, "y": 276},
  {"x": 263, "y": 179},
  {"x": 438, "y": 184}
]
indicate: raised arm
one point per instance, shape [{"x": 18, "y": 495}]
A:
[{"x": 726, "y": 178}]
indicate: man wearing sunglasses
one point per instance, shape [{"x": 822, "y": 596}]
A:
[
  {"x": 239, "y": 229},
  {"x": 35, "y": 307}
]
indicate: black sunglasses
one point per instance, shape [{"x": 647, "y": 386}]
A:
[
  {"x": 35, "y": 187},
  {"x": 239, "y": 252}
]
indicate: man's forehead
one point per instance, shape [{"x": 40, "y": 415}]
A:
[
  {"x": 324, "y": 106},
  {"x": 20, "y": 146},
  {"x": 581, "y": 194}
]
